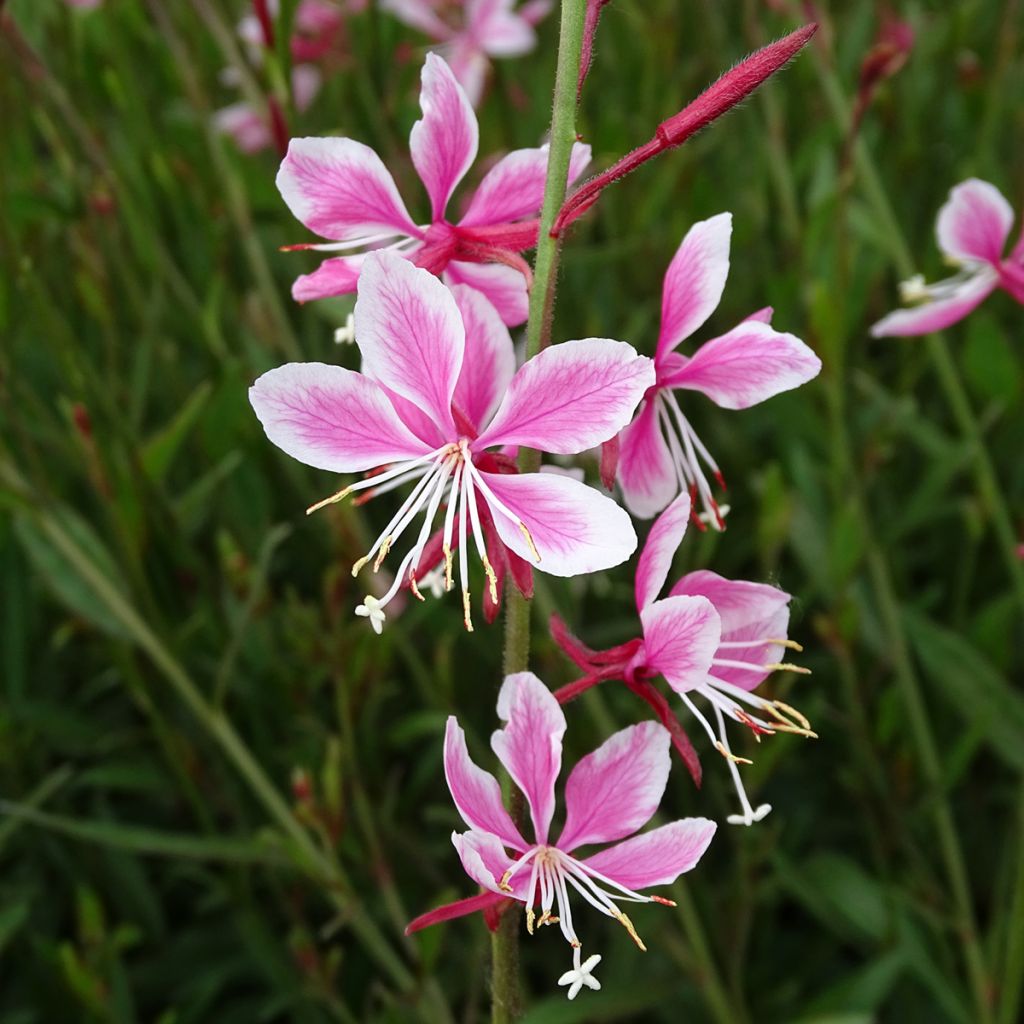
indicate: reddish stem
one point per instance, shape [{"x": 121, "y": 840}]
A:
[{"x": 262, "y": 12}]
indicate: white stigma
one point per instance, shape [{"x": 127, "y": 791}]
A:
[
  {"x": 346, "y": 335},
  {"x": 581, "y": 974},
  {"x": 373, "y": 610}
]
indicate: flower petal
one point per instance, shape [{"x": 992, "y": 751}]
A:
[
  {"x": 616, "y": 789},
  {"x": 341, "y": 189},
  {"x": 443, "y": 143},
  {"x": 571, "y": 397},
  {"x": 575, "y": 529},
  {"x": 504, "y": 287},
  {"x": 645, "y": 473},
  {"x": 662, "y": 543},
  {"x": 450, "y": 911},
  {"x": 695, "y": 280},
  {"x": 938, "y": 314},
  {"x": 469, "y": 64},
  {"x": 490, "y": 359},
  {"x": 530, "y": 744},
  {"x": 485, "y": 861},
  {"x": 681, "y": 635},
  {"x": 336, "y": 276},
  {"x": 419, "y": 14},
  {"x": 331, "y": 418},
  {"x": 410, "y": 333},
  {"x": 975, "y": 222},
  {"x": 748, "y": 611},
  {"x": 476, "y": 793},
  {"x": 748, "y": 365},
  {"x": 498, "y": 29},
  {"x": 514, "y": 187},
  {"x": 657, "y": 857}
]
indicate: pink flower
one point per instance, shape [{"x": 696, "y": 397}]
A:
[
  {"x": 252, "y": 129},
  {"x": 438, "y": 390},
  {"x": 473, "y": 31},
  {"x": 712, "y": 637},
  {"x": 972, "y": 230},
  {"x": 341, "y": 190},
  {"x": 660, "y": 454},
  {"x": 316, "y": 28},
  {"x": 609, "y": 795}
]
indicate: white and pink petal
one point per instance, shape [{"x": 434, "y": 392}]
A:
[
  {"x": 646, "y": 472},
  {"x": 616, "y": 789},
  {"x": 571, "y": 397},
  {"x": 504, "y": 287},
  {"x": 660, "y": 548},
  {"x": 331, "y": 418},
  {"x": 490, "y": 359},
  {"x": 657, "y": 857},
  {"x": 681, "y": 635},
  {"x": 939, "y": 313},
  {"x": 530, "y": 744},
  {"x": 341, "y": 189},
  {"x": 975, "y": 222}
]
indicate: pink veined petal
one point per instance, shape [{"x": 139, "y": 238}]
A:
[
  {"x": 504, "y": 287},
  {"x": 422, "y": 425},
  {"x": 443, "y": 143},
  {"x": 490, "y": 359},
  {"x": 498, "y": 30},
  {"x": 662, "y": 543},
  {"x": 938, "y": 314},
  {"x": 570, "y": 397},
  {"x": 754, "y": 611},
  {"x": 657, "y": 857},
  {"x": 331, "y": 418},
  {"x": 681, "y": 635},
  {"x": 975, "y": 222},
  {"x": 645, "y": 474},
  {"x": 336, "y": 276},
  {"x": 418, "y": 14},
  {"x": 476, "y": 793},
  {"x": 514, "y": 187},
  {"x": 530, "y": 744},
  {"x": 575, "y": 528},
  {"x": 615, "y": 790},
  {"x": 750, "y": 364},
  {"x": 485, "y": 861},
  {"x": 694, "y": 281},
  {"x": 341, "y": 189},
  {"x": 763, "y": 315},
  {"x": 410, "y": 333}
]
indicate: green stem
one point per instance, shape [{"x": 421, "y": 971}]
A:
[{"x": 506, "y": 997}]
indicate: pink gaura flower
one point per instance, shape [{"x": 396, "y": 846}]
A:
[
  {"x": 972, "y": 230},
  {"x": 660, "y": 454},
  {"x": 252, "y": 129},
  {"x": 473, "y": 31},
  {"x": 609, "y": 795},
  {"x": 710, "y": 637},
  {"x": 341, "y": 190},
  {"x": 317, "y": 27},
  {"x": 437, "y": 392}
]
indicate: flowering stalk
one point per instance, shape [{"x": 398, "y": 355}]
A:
[
  {"x": 732, "y": 88},
  {"x": 505, "y": 990}
]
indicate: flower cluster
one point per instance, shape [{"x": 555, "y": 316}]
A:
[{"x": 436, "y": 416}]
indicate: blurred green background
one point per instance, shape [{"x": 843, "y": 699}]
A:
[{"x": 222, "y": 795}]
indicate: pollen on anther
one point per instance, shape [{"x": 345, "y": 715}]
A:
[
  {"x": 730, "y": 756},
  {"x": 467, "y": 619},
  {"x": 337, "y": 496}
]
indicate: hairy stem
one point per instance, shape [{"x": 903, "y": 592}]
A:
[{"x": 506, "y": 1005}]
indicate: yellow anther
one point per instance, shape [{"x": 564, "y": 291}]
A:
[
  {"x": 415, "y": 589},
  {"x": 785, "y": 666},
  {"x": 529, "y": 920},
  {"x": 628, "y": 925},
  {"x": 383, "y": 553},
  {"x": 791, "y": 644},
  {"x": 447, "y": 568},
  {"x": 529, "y": 541},
  {"x": 547, "y": 918},
  {"x": 730, "y": 756},
  {"x": 785, "y": 715},
  {"x": 467, "y": 619},
  {"x": 357, "y": 567},
  {"x": 343, "y": 493},
  {"x": 492, "y": 580},
  {"x": 503, "y": 884}
]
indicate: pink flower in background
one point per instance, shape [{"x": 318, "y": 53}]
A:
[
  {"x": 609, "y": 795},
  {"x": 472, "y": 32},
  {"x": 316, "y": 28},
  {"x": 438, "y": 389},
  {"x": 972, "y": 231},
  {"x": 340, "y": 189},
  {"x": 710, "y": 636},
  {"x": 250, "y": 127},
  {"x": 660, "y": 454}
]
